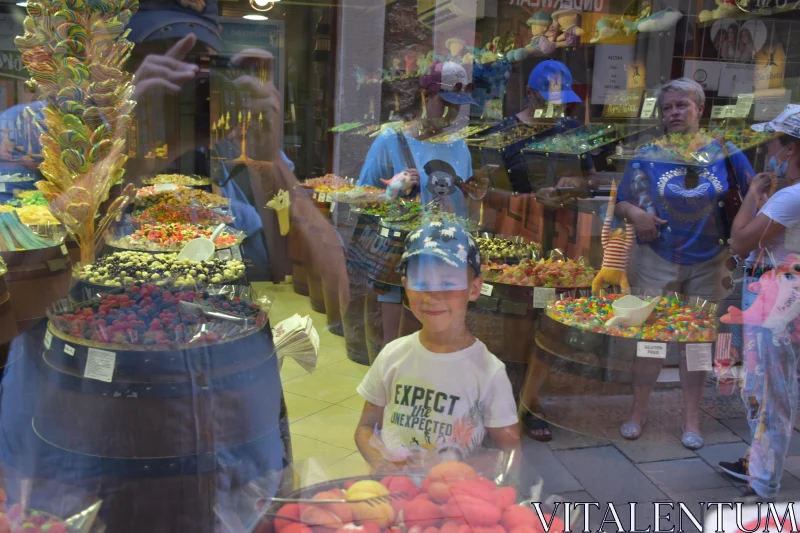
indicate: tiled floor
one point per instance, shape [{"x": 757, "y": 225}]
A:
[{"x": 323, "y": 406}]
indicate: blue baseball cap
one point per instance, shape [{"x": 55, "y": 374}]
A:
[
  {"x": 175, "y": 19},
  {"x": 553, "y": 80},
  {"x": 444, "y": 240}
]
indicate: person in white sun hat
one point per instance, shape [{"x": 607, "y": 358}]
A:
[{"x": 767, "y": 232}]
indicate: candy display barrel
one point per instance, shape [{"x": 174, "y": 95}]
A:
[
  {"x": 315, "y": 293},
  {"x": 330, "y": 291},
  {"x": 352, "y": 313},
  {"x": 167, "y": 435},
  {"x": 297, "y": 255},
  {"x": 8, "y": 323},
  {"x": 36, "y": 279},
  {"x": 73, "y": 250},
  {"x": 381, "y": 318}
]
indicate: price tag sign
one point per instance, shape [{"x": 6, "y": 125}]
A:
[
  {"x": 743, "y": 105},
  {"x": 64, "y": 249},
  {"x": 698, "y": 357},
  {"x": 223, "y": 255},
  {"x": 487, "y": 289},
  {"x": 236, "y": 252},
  {"x": 3, "y": 187},
  {"x": 69, "y": 350},
  {"x": 648, "y": 107},
  {"x": 541, "y": 295},
  {"x": 100, "y": 365},
  {"x": 550, "y": 111},
  {"x": 718, "y": 111},
  {"x": 48, "y": 340},
  {"x": 384, "y": 232},
  {"x": 538, "y": 113},
  {"x": 654, "y": 350}
]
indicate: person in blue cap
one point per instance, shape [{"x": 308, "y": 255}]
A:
[
  {"x": 401, "y": 155},
  {"x": 439, "y": 391}
]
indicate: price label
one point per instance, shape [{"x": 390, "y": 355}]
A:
[
  {"x": 314, "y": 195},
  {"x": 48, "y": 340},
  {"x": 541, "y": 295},
  {"x": 550, "y": 111},
  {"x": 730, "y": 111},
  {"x": 654, "y": 350},
  {"x": 743, "y": 105},
  {"x": 648, "y": 107},
  {"x": 2, "y": 187},
  {"x": 100, "y": 365},
  {"x": 698, "y": 357},
  {"x": 398, "y": 233},
  {"x": 487, "y": 289},
  {"x": 538, "y": 113},
  {"x": 384, "y": 232},
  {"x": 237, "y": 253},
  {"x": 724, "y": 341},
  {"x": 64, "y": 249},
  {"x": 718, "y": 111},
  {"x": 69, "y": 350},
  {"x": 223, "y": 255}
]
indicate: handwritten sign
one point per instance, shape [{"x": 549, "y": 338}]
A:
[
  {"x": 623, "y": 104},
  {"x": 648, "y": 107}
]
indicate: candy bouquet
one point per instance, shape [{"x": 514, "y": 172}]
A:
[{"x": 75, "y": 53}]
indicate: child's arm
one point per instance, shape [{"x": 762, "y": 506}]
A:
[
  {"x": 506, "y": 438},
  {"x": 372, "y": 417}
]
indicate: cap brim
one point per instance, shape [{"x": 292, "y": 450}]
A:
[
  {"x": 459, "y": 98},
  {"x": 762, "y": 126},
  {"x": 159, "y": 24},
  {"x": 567, "y": 96}
]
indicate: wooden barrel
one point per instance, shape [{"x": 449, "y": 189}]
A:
[
  {"x": 330, "y": 293},
  {"x": 381, "y": 319},
  {"x": 36, "y": 279},
  {"x": 503, "y": 319},
  {"x": 297, "y": 255},
  {"x": 316, "y": 237},
  {"x": 352, "y": 313},
  {"x": 73, "y": 250},
  {"x": 170, "y": 436}
]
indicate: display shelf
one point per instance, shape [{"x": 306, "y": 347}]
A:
[
  {"x": 465, "y": 132},
  {"x": 579, "y": 142},
  {"x": 511, "y": 137}
]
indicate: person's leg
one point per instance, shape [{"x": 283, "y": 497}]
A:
[
  {"x": 774, "y": 424},
  {"x": 650, "y": 271},
  {"x": 703, "y": 281},
  {"x": 530, "y": 407}
]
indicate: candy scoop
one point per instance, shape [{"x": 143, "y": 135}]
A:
[{"x": 200, "y": 249}]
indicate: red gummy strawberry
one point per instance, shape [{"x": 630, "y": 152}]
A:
[{"x": 505, "y": 496}]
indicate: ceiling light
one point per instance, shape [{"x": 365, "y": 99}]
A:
[
  {"x": 262, "y": 5},
  {"x": 256, "y": 17},
  {"x": 22, "y": 4}
]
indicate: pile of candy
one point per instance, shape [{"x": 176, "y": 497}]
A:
[
  {"x": 165, "y": 213},
  {"x": 672, "y": 320},
  {"x": 169, "y": 238},
  {"x": 28, "y": 198},
  {"x": 150, "y": 315},
  {"x": 494, "y": 248},
  {"x": 412, "y": 222},
  {"x": 32, "y": 215},
  {"x": 692, "y": 148},
  {"x": 127, "y": 268},
  {"x": 329, "y": 182},
  {"x": 577, "y": 141},
  {"x": 179, "y": 179},
  {"x": 393, "y": 210},
  {"x": 461, "y": 133},
  {"x": 363, "y": 194},
  {"x": 19, "y": 520},
  {"x": 743, "y": 138},
  {"x": 16, "y": 178},
  {"x": 506, "y": 136},
  {"x": 181, "y": 196},
  {"x": 542, "y": 273}
]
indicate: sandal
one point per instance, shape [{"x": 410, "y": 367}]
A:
[{"x": 534, "y": 424}]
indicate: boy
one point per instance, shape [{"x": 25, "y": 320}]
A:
[{"x": 438, "y": 390}]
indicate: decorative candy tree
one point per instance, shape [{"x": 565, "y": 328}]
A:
[{"x": 75, "y": 51}]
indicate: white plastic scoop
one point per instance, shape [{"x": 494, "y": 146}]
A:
[
  {"x": 631, "y": 311},
  {"x": 200, "y": 249}
]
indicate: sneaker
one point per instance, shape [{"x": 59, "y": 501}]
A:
[{"x": 737, "y": 470}]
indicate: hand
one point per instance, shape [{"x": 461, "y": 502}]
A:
[
  {"x": 646, "y": 225},
  {"x": 413, "y": 179},
  {"x": 387, "y": 467},
  {"x": 477, "y": 187},
  {"x": 579, "y": 187},
  {"x": 760, "y": 185},
  {"x": 165, "y": 74}
]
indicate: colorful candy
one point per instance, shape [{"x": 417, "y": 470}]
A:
[
  {"x": 542, "y": 273},
  {"x": 673, "y": 320},
  {"x": 179, "y": 179},
  {"x": 169, "y": 238},
  {"x": 163, "y": 213}
]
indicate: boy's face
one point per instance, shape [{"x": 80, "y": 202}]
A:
[{"x": 438, "y": 294}]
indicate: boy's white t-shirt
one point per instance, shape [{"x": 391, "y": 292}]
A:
[
  {"x": 784, "y": 208},
  {"x": 438, "y": 400}
]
